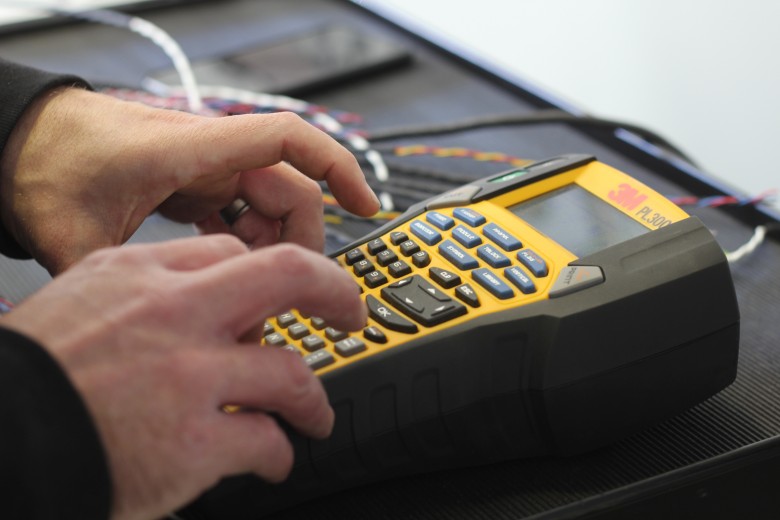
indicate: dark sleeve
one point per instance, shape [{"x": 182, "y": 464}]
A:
[
  {"x": 19, "y": 86},
  {"x": 52, "y": 464}
]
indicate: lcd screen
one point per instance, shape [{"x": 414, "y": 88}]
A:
[{"x": 578, "y": 220}]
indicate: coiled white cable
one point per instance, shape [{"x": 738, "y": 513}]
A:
[
  {"x": 138, "y": 25},
  {"x": 759, "y": 234}
]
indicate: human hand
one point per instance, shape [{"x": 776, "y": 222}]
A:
[
  {"x": 83, "y": 170},
  {"x": 154, "y": 337}
]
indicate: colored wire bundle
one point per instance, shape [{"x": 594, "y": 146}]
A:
[
  {"x": 539, "y": 117},
  {"x": 723, "y": 200},
  {"x": 477, "y": 155},
  {"x": 6, "y": 306}
]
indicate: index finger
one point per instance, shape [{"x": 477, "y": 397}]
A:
[
  {"x": 250, "y": 288},
  {"x": 250, "y": 141}
]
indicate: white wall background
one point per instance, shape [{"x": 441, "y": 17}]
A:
[{"x": 703, "y": 73}]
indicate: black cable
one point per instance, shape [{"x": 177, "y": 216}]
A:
[
  {"x": 772, "y": 228},
  {"x": 535, "y": 118},
  {"x": 424, "y": 188},
  {"x": 426, "y": 172}
]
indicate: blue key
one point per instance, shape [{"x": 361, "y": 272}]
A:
[
  {"x": 469, "y": 216},
  {"x": 518, "y": 277},
  {"x": 425, "y": 233},
  {"x": 466, "y": 236},
  {"x": 533, "y": 262},
  {"x": 488, "y": 279},
  {"x": 501, "y": 237},
  {"x": 493, "y": 256},
  {"x": 439, "y": 220},
  {"x": 456, "y": 255}
]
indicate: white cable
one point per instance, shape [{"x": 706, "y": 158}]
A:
[
  {"x": 174, "y": 51},
  {"x": 139, "y": 26},
  {"x": 748, "y": 247}
]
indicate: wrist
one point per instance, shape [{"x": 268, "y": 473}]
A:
[
  {"x": 24, "y": 87},
  {"x": 13, "y": 162}
]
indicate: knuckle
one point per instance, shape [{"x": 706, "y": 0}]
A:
[
  {"x": 317, "y": 273},
  {"x": 110, "y": 257},
  {"x": 99, "y": 257},
  {"x": 224, "y": 242},
  {"x": 300, "y": 376},
  {"x": 300, "y": 387},
  {"x": 310, "y": 190},
  {"x": 194, "y": 438},
  {"x": 310, "y": 186},
  {"x": 287, "y": 119},
  {"x": 295, "y": 259}
]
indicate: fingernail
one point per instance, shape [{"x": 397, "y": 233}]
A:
[{"x": 377, "y": 202}]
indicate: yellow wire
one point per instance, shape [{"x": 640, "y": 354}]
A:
[{"x": 419, "y": 149}]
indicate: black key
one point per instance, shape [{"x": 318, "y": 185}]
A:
[
  {"x": 334, "y": 334},
  {"x": 363, "y": 267},
  {"x": 317, "y": 323},
  {"x": 286, "y": 319},
  {"x": 268, "y": 329},
  {"x": 386, "y": 257},
  {"x": 409, "y": 247},
  {"x": 421, "y": 301},
  {"x": 349, "y": 347},
  {"x": 375, "y": 246},
  {"x": 354, "y": 255},
  {"x": 421, "y": 259},
  {"x": 396, "y": 237},
  {"x": 388, "y": 317},
  {"x": 374, "y": 334},
  {"x": 467, "y": 294},
  {"x": 446, "y": 279},
  {"x": 298, "y": 330},
  {"x": 375, "y": 279},
  {"x": 319, "y": 359},
  {"x": 313, "y": 342},
  {"x": 275, "y": 339},
  {"x": 399, "y": 269}
]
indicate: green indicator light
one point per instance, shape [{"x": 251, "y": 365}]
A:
[{"x": 509, "y": 176}]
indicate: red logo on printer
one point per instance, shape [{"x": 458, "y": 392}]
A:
[{"x": 627, "y": 196}]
